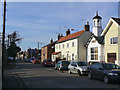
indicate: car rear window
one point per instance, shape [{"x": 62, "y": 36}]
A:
[
  {"x": 45, "y": 61},
  {"x": 82, "y": 64},
  {"x": 49, "y": 61},
  {"x": 66, "y": 62}
]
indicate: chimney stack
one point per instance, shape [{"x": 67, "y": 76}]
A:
[
  {"x": 59, "y": 36},
  {"x": 87, "y": 27},
  {"x": 68, "y": 32},
  {"x": 51, "y": 41}
]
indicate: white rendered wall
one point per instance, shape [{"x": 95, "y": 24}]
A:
[
  {"x": 71, "y": 50},
  {"x": 100, "y": 51},
  {"x": 97, "y": 28}
]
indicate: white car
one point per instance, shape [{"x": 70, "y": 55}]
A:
[{"x": 79, "y": 67}]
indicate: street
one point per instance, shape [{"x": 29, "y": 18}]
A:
[{"x": 37, "y": 76}]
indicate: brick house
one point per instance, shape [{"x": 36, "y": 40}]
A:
[{"x": 47, "y": 50}]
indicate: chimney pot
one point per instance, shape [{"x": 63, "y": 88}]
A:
[{"x": 87, "y": 23}]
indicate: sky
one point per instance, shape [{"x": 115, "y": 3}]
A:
[{"x": 41, "y": 21}]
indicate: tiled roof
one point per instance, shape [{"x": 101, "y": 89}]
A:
[
  {"x": 117, "y": 20},
  {"x": 56, "y": 53},
  {"x": 100, "y": 39},
  {"x": 70, "y": 36},
  {"x": 50, "y": 44}
]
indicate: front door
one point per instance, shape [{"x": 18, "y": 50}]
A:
[
  {"x": 67, "y": 56},
  {"x": 111, "y": 57}
]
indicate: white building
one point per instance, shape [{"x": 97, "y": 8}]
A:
[
  {"x": 71, "y": 47},
  {"x": 95, "y": 44}
]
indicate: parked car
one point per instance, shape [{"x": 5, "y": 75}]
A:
[
  {"x": 47, "y": 63},
  {"x": 104, "y": 71},
  {"x": 36, "y": 60},
  {"x": 79, "y": 67},
  {"x": 62, "y": 65}
]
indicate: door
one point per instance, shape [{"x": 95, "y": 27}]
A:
[
  {"x": 67, "y": 56},
  {"x": 94, "y": 70},
  {"x": 75, "y": 68},
  {"x": 111, "y": 57},
  {"x": 99, "y": 71}
]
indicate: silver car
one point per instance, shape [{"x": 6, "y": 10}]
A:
[{"x": 79, "y": 67}]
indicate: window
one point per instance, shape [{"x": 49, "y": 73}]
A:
[
  {"x": 73, "y": 44},
  {"x": 59, "y": 46},
  {"x": 98, "y": 22},
  {"x": 94, "y": 23},
  {"x": 97, "y": 65},
  {"x": 43, "y": 54},
  {"x": 82, "y": 63},
  {"x": 73, "y": 64},
  {"x": 63, "y": 46},
  {"x": 67, "y": 45},
  {"x": 56, "y": 46},
  {"x": 94, "y": 53},
  {"x": 73, "y": 56},
  {"x": 114, "y": 40}
]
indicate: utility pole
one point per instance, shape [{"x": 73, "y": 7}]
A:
[
  {"x": 3, "y": 38},
  {"x": 38, "y": 50},
  {"x": 38, "y": 44}
]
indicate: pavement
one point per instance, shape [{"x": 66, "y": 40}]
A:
[{"x": 10, "y": 80}]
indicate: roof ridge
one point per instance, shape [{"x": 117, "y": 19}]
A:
[{"x": 70, "y": 36}]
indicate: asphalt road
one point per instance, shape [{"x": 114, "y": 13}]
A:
[{"x": 37, "y": 76}]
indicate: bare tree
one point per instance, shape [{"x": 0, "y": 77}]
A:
[{"x": 14, "y": 37}]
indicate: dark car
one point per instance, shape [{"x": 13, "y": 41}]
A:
[
  {"x": 62, "y": 65},
  {"x": 47, "y": 63},
  {"x": 104, "y": 71}
]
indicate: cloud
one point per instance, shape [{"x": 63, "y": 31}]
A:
[{"x": 41, "y": 21}]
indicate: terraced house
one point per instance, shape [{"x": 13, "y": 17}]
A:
[
  {"x": 47, "y": 50},
  {"x": 111, "y": 34},
  {"x": 71, "y": 47}
]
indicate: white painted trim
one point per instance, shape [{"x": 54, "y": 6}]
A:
[{"x": 109, "y": 22}]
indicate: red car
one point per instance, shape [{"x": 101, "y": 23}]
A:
[
  {"x": 47, "y": 63},
  {"x": 36, "y": 61}
]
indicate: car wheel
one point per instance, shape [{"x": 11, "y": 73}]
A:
[
  {"x": 79, "y": 73},
  {"x": 90, "y": 75},
  {"x": 69, "y": 71},
  {"x": 106, "y": 80}
]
